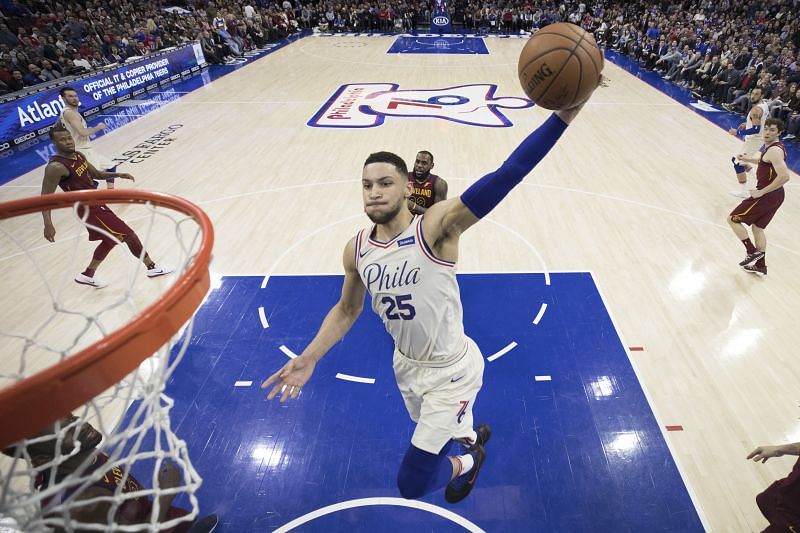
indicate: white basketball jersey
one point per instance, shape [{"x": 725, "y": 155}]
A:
[
  {"x": 764, "y": 116},
  {"x": 81, "y": 141},
  {"x": 415, "y": 294}
]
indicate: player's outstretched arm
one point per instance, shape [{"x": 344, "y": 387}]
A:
[
  {"x": 762, "y": 453},
  {"x": 102, "y": 175},
  {"x": 293, "y": 376},
  {"x": 745, "y": 159}
]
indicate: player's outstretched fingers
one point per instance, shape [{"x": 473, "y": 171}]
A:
[
  {"x": 273, "y": 379},
  {"x": 286, "y": 391},
  {"x": 296, "y": 392}
]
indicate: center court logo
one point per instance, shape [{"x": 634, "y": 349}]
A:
[{"x": 365, "y": 105}]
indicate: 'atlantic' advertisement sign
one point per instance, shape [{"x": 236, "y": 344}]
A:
[{"x": 30, "y": 116}]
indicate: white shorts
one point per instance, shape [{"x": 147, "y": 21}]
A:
[
  {"x": 98, "y": 160},
  {"x": 752, "y": 146},
  {"x": 440, "y": 400}
]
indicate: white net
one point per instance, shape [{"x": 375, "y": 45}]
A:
[{"x": 113, "y": 463}]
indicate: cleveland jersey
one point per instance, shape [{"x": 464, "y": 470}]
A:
[
  {"x": 764, "y": 116},
  {"x": 765, "y": 172},
  {"x": 415, "y": 294},
  {"x": 113, "y": 480},
  {"x": 423, "y": 193},
  {"x": 79, "y": 178}
]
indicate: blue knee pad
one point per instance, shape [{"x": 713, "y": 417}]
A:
[
  {"x": 740, "y": 169},
  {"x": 423, "y": 472}
]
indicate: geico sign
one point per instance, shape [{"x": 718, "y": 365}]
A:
[
  {"x": 4, "y": 147},
  {"x": 24, "y": 138}
]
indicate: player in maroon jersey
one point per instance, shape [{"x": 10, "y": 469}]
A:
[
  {"x": 780, "y": 502},
  {"x": 757, "y": 211},
  {"x": 42, "y": 452},
  {"x": 427, "y": 188},
  {"x": 71, "y": 171}
]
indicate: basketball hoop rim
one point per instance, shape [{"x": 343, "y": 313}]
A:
[{"x": 39, "y": 400}]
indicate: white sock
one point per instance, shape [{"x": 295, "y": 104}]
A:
[
  {"x": 744, "y": 187},
  {"x": 466, "y": 461}
]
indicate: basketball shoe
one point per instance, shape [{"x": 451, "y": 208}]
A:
[
  {"x": 159, "y": 271},
  {"x": 207, "y": 524},
  {"x": 92, "y": 282},
  {"x": 483, "y": 432},
  {"x": 461, "y": 486},
  {"x": 758, "y": 270},
  {"x": 752, "y": 258}
]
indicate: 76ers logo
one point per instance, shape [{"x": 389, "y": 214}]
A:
[
  {"x": 364, "y": 105},
  {"x": 462, "y": 411}
]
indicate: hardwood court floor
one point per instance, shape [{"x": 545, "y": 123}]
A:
[{"x": 635, "y": 192}]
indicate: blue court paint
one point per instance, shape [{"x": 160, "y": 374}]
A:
[
  {"x": 581, "y": 452},
  {"x": 438, "y": 45}
]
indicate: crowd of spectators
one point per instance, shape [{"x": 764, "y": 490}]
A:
[
  {"x": 718, "y": 49},
  {"x": 44, "y": 40}
]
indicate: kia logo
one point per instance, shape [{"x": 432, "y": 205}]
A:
[{"x": 441, "y": 20}]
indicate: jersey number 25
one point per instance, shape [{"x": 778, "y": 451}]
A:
[{"x": 403, "y": 306}]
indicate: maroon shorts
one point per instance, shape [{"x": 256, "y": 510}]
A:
[
  {"x": 758, "y": 211},
  {"x": 102, "y": 218},
  {"x": 773, "y": 505}
]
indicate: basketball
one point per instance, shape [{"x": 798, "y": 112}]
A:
[{"x": 559, "y": 66}]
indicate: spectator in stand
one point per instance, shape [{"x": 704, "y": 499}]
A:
[
  {"x": 80, "y": 62},
  {"x": 702, "y": 79},
  {"x": 793, "y": 117},
  {"x": 98, "y": 61},
  {"x": 34, "y": 76},
  {"x": 7, "y": 37},
  {"x": 747, "y": 82},
  {"x": 670, "y": 57},
  {"x": 49, "y": 70},
  {"x": 690, "y": 67},
  {"x": 17, "y": 82},
  {"x": 212, "y": 51}
]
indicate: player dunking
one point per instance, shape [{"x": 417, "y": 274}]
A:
[
  {"x": 71, "y": 171},
  {"x": 76, "y": 126},
  {"x": 753, "y": 139},
  {"x": 757, "y": 211},
  {"x": 407, "y": 263},
  {"x": 427, "y": 188}
]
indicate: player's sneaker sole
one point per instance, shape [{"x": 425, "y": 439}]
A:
[
  {"x": 159, "y": 271},
  {"x": 755, "y": 269},
  {"x": 91, "y": 282}
]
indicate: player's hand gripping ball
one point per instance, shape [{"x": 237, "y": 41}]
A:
[{"x": 560, "y": 66}]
